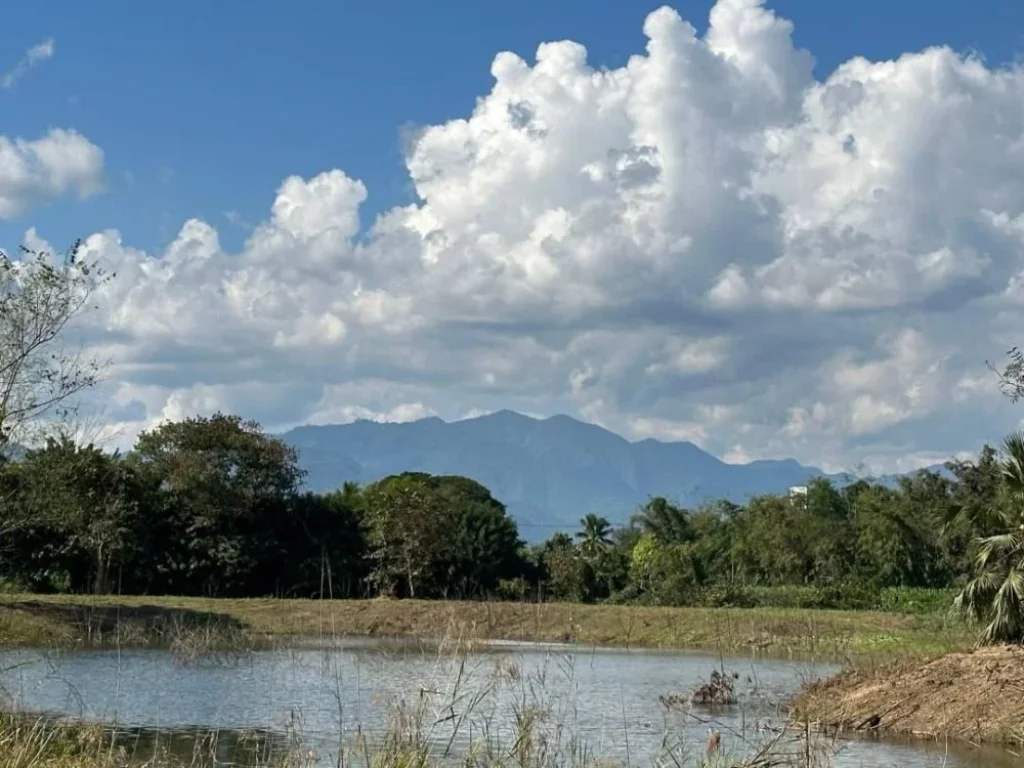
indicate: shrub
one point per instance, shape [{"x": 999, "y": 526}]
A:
[{"x": 916, "y": 600}]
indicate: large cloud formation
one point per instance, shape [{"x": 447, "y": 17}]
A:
[{"x": 704, "y": 244}]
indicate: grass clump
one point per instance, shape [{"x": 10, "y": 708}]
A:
[
  {"x": 36, "y": 743},
  {"x": 31, "y": 741}
]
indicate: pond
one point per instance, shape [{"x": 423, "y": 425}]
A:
[{"x": 603, "y": 703}]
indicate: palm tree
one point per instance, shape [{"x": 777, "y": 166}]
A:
[
  {"x": 595, "y": 534},
  {"x": 996, "y": 593},
  {"x": 665, "y": 521}
]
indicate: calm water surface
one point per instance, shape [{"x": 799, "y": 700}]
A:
[{"x": 607, "y": 699}]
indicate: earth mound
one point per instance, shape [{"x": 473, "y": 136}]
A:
[{"x": 975, "y": 697}]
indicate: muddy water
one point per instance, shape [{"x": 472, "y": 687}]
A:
[{"x": 606, "y": 702}]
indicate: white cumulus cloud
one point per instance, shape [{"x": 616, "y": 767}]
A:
[
  {"x": 33, "y": 171},
  {"x": 706, "y": 242}
]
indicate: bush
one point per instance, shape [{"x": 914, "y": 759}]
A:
[
  {"x": 916, "y": 600},
  {"x": 848, "y": 597},
  {"x": 841, "y": 597},
  {"x": 514, "y": 590},
  {"x": 728, "y": 596}
]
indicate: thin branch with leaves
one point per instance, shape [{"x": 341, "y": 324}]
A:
[{"x": 40, "y": 372}]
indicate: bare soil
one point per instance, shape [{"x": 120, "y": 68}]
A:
[{"x": 976, "y": 696}]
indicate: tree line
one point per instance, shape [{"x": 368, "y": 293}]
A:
[{"x": 213, "y": 506}]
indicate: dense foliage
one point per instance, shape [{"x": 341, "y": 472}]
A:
[
  {"x": 995, "y": 594},
  {"x": 213, "y": 506}
]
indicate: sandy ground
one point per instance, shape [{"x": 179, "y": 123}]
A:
[{"x": 976, "y": 696}]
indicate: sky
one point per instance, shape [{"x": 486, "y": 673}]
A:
[{"x": 783, "y": 229}]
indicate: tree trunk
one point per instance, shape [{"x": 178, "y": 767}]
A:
[{"x": 100, "y": 587}]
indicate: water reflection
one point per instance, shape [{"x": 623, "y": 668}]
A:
[{"x": 329, "y": 695}]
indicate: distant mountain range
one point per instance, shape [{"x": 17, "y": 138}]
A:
[{"x": 549, "y": 472}]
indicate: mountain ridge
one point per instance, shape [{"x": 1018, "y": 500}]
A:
[{"x": 548, "y": 471}]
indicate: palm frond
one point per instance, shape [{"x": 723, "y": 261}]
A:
[
  {"x": 1001, "y": 545},
  {"x": 1007, "y": 624},
  {"x": 1013, "y": 464},
  {"x": 1015, "y": 582},
  {"x": 975, "y": 599}
]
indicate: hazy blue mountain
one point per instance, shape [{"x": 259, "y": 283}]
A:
[{"x": 549, "y": 472}]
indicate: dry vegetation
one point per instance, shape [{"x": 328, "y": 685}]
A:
[
  {"x": 75, "y": 620},
  {"x": 35, "y": 742},
  {"x": 975, "y": 696}
]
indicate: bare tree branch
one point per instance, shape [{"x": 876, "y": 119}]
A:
[
  {"x": 40, "y": 374},
  {"x": 1011, "y": 377}
]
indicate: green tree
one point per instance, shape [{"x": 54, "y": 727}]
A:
[
  {"x": 222, "y": 483},
  {"x": 439, "y": 535},
  {"x": 321, "y": 548},
  {"x": 772, "y": 542},
  {"x": 826, "y": 521},
  {"x": 972, "y": 508},
  {"x": 995, "y": 594},
  {"x": 594, "y": 535},
  {"x": 642, "y": 559},
  {"x": 88, "y": 502},
  {"x": 559, "y": 542},
  {"x": 665, "y": 521},
  {"x": 663, "y": 572},
  {"x": 709, "y": 551},
  {"x": 480, "y": 546},
  {"x": 404, "y": 529},
  {"x": 893, "y": 549},
  {"x": 565, "y": 575}
]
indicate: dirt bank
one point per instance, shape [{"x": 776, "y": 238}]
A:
[{"x": 975, "y": 696}]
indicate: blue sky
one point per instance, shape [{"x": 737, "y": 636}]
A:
[
  {"x": 703, "y": 236},
  {"x": 202, "y": 108}
]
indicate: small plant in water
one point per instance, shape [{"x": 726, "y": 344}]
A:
[{"x": 718, "y": 690}]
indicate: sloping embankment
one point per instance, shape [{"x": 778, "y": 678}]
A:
[{"x": 976, "y": 697}]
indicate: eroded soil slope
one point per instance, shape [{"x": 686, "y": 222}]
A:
[{"x": 976, "y": 696}]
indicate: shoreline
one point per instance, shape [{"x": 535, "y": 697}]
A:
[{"x": 138, "y": 621}]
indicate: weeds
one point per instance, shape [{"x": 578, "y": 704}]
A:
[{"x": 212, "y": 643}]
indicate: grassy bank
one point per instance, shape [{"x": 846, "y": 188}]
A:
[{"x": 68, "y": 621}]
